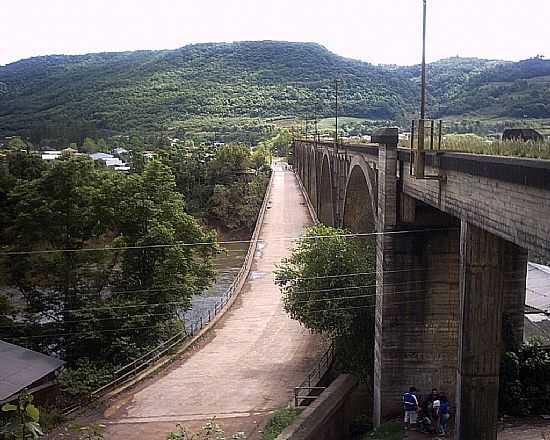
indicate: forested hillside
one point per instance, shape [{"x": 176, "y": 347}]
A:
[{"x": 250, "y": 81}]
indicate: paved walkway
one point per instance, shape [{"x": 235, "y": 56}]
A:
[{"x": 252, "y": 360}]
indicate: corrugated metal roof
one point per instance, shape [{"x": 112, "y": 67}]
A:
[
  {"x": 537, "y": 293},
  {"x": 20, "y": 367}
]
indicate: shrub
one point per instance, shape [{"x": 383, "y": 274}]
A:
[
  {"x": 525, "y": 380},
  {"x": 84, "y": 377},
  {"x": 281, "y": 419}
]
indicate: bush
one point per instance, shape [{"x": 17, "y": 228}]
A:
[
  {"x": 281, "y": 419},
  {"x": 525, "y": 381},
  {"x": 210, "y": 431},
  {"x": 84, "y": 377}
]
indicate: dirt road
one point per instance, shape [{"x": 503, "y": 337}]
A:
[{"x": 251, "y": 360}]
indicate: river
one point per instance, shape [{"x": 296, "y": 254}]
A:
[{"x": 227, "y": 265}]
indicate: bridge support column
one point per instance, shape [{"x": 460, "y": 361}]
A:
[
  {"x": 483, "y": 275},
  {"x": 515, "y": 276},
  {"x": 417, "y": 307}
]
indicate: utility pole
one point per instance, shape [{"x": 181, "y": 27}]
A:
[
  {"x": 423, "y": 91},
  {"x": 336, "y": 115},
  {"x": 419, "y": 160}
]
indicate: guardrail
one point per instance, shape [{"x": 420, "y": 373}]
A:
[
  {"x": 130, "y": 370},
  {"x": 314, "y": 377}
]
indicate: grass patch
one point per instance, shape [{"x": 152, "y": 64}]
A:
[
  {"x": 471, "y": 143},
  {"x": 281, "y": 419},
  {"x": 387, "y": 431}
]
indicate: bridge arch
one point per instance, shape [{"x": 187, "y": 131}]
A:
[
  {"x": 312, "y": 176},
  {"x": 305, "y": 171},
  {"x": 326, "y": 205},
  {"x": 360, "y": 200}
]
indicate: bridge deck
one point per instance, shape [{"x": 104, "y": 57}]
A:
[{"x": 252, "y": 359}]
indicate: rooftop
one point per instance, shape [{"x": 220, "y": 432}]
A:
[{"x": 20, "y": 368}]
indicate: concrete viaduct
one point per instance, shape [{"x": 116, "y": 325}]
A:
[{"x": 450, "y": 296}]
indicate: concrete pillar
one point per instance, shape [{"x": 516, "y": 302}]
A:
[
  {"x": 417, "y": 306},
  {"x": 482, "y": 276},
  {"x": 387, "y": 220},
  {"x": 515, "y": 275}
]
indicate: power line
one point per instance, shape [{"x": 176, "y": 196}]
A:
[
  {"x": 160, "y": 246},
  {"x": 173, "y": 314},
  {"x": 255, "y": 317},
  {"x": 240, "y": 320},
  {"x": 183, "y": 302},
  {"x": 170, "y": 288},
  {"x": 177, "y": 286}
]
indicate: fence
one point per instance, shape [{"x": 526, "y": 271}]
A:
[
  {"x": 307, "y": 392},
  {"x": 130, "y": 370}
]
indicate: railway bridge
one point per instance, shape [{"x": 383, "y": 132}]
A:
[{"x": 452, "y": 249}]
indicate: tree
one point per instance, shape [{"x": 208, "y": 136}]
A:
[
  {"x": 260, "y": 157},
  {"x": 328, "y": 284},
  {"x": 89, "y": 146},
  {"x": 229, "y": 161},
  {"x": 105, "y": 306},
  {"x": 17, "y": 144},
  {"x": 25, "y": 166},
  {"x": 282, "y": 142}
]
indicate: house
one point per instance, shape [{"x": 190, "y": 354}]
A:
[
  {"x": 522, "y": 134},
  {"x": 101, "y": 156},
  {"x": 110, "y": 161},
  {"x": 51, "y": 154},
  {"x": 21, "y": 368},
  {"x": 120, "y": 151}
]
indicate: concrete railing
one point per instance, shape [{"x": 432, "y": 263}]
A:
[
  {"x": 328, "y": 417},
  {"x": 197, "y": 329}
]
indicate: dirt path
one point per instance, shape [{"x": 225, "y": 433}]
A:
[{"x": 251, "y": 361}]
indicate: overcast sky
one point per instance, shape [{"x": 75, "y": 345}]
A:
[{"x": 378, "y": 31}]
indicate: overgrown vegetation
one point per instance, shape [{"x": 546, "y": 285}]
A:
[
  {"x": 525, "y": 381},
  {"x": 471, "y": 143},
  {"x": 328, "y": 284},
  {"x": 280, "y": 419}
]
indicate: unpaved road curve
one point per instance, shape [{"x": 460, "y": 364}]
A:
[{"x": 252, "y": 359}]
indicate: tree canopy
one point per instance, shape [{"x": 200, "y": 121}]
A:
[{"x": 329, "y": 285}]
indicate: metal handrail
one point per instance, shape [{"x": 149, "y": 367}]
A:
[
  {"x": 125, "y": 372},
  {"x": 318, "y": 371}
]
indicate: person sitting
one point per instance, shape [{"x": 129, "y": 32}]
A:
[{"x": 410, "y": 406}]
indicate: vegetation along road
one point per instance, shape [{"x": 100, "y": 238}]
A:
[{"x": 252, "y": 359}]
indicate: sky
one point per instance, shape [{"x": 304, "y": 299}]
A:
[{"x": 378, "y": 31}]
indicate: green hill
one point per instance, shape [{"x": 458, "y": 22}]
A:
[{"x": 145, "y": 91}]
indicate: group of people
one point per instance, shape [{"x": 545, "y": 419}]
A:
[{"x": 429, "y": 415}]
